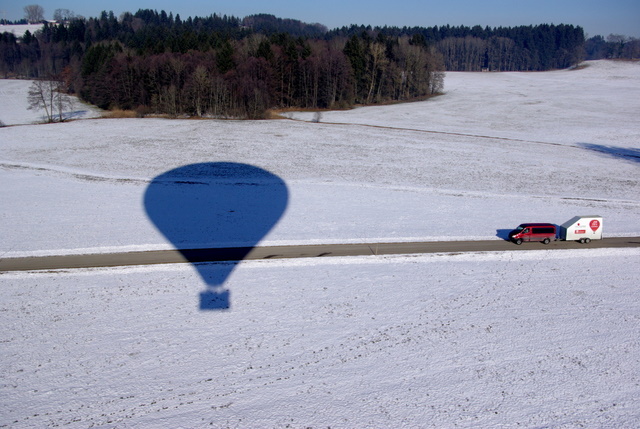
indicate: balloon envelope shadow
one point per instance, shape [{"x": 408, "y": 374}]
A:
[{"x": 215, "y": 211}]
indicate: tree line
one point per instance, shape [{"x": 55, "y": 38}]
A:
[
  {"x": 524, "y": 48},
  {"x": 157, "y": 63},
  {"x": 225, "y": 66},
  {"x": 615, "y": 46}
]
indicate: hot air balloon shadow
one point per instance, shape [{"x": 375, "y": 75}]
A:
[{"x": 215, "y": 211}]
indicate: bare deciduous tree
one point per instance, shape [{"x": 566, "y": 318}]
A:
[
  {"x": 199, "y": 88},
  {"x": 48, "y": 95},
  {"x": 34, "y": 13},
  {"x": 63, "y": 15},
  {"x": 378, "y": 62}
]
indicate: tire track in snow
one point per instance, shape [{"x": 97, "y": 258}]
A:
[
  {"x": 448, "y": 133},
  {"x": 67, "y": 173}
]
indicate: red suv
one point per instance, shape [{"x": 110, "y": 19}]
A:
[{"x": 543, "y": 232}]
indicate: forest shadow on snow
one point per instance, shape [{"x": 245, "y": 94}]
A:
[{"x": 624, "y": 153}]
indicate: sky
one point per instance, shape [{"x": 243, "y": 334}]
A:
[{"x": 596, "y": 17}]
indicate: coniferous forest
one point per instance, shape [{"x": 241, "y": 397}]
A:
[{"x": 223, "y": 66}]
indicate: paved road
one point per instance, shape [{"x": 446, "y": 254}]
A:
[{"x": 280, "y": 252}]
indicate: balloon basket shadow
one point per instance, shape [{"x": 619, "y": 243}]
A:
[{"x": 213, "y": 299}]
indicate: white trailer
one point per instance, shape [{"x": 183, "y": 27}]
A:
[{"x": 582, "y": 229}]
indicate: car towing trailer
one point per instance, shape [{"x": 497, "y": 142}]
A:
[{"x": 579, "y": 228}]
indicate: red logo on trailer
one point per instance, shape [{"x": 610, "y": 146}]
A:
[{"x": 594, "y": 224}]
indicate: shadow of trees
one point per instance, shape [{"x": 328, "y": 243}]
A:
[{"x": 625, "y": 153}]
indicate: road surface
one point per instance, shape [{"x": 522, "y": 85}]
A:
[{"x": 280, "y": 252}]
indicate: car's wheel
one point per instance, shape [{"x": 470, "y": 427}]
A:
[
  {"x": 546, "y": 241},
  {"x": 518, "y": 241}
]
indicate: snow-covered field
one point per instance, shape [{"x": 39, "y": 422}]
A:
[
  {"x": 20, "y": 29},
  {"x": 535, "y": 339},
  {"x": 15, "y": 106}
]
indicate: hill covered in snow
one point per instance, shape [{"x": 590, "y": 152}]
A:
[{"x": 542, "y": 338}]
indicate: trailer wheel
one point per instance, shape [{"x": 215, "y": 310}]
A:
[
  {"x": 546, "y": 241},
  {"x": 587, "y": 240},
  {"x": 581, "y": 241},
  {"x": 518, "y": 241}
]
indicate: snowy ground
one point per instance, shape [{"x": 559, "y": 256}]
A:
[
  {"x": 20, "y": 29},
  {"x": 534, "y": 339}
]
